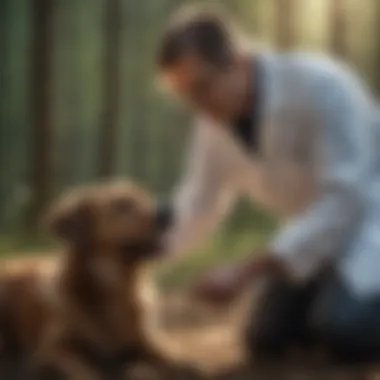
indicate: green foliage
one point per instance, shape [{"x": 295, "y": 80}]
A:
[{"x": 224, "y": 248}]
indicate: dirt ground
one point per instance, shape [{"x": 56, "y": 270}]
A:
[{"x": 211, "y": 339}]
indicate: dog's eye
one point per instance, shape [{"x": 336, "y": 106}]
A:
[{"x": 122, "y": 207}]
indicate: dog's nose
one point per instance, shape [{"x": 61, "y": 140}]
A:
[{"x": 164, "y": 216}]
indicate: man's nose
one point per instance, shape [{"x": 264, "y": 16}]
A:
[{"x": 164, "y": 216}]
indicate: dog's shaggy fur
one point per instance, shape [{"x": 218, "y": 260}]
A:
[{"x": 89, "y": 313}]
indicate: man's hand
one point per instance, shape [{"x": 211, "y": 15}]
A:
[
  {"x": 223, "y": 285},
  {"x": 219, "y": 286}
]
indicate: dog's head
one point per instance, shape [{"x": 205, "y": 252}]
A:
[{"x": 112, "y": 219}]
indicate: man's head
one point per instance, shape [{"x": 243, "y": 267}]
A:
[{"x": 199, "y": 59}]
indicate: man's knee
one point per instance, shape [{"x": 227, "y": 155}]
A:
[
  {"x": 271, "y": 329},
  {"x": 347, "y": 326},
  {"x": 339, "y": 337},
  {"x": 265, "y": 343}
]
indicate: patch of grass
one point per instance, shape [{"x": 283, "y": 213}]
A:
[
  {"x": 22, "y": 245},
  {"x": 223, "y": 249}
]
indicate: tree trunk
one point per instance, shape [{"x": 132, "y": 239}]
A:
[
  {"x": 4, "y": 32},
  {"x": 338, "y": 28},
  {"x": 285, "y": 25},
  {"x": 71, "y": 138},
  {"x": 108, "y": 134},
  {"x": 41, "y": 106},
  {"x": 377, "y": 49}
]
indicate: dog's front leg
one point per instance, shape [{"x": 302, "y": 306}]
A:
[{"x": 63, "y": 365}]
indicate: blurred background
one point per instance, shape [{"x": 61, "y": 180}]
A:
[{"x": 79, "y": 101}]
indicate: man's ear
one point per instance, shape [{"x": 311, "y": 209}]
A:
[{"x": 72, "y": 223}]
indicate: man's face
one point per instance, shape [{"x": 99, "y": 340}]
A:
[{"x": 217, "y": 92}]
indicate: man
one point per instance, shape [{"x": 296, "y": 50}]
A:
[{"x": 298, "y": 134}]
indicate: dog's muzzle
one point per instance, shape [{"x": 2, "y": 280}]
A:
[{"x": 164, "y": 216}]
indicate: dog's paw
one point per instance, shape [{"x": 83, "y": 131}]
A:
[
  {"x": 182, "y": 371},
  {"x": 48, "y": 373},
  {"x": 234, "y": 372},
  {"x": 141, "y": 373}
]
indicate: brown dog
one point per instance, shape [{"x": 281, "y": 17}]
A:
[{"x": 89, "y": 316}]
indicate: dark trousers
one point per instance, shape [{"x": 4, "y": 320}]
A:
[{"x": 321, "y": 312}]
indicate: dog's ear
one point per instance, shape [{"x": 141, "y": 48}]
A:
[{"x": 72, "y": 221}]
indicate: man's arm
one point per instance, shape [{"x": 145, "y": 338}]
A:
[
  {"x": 326, "y": 226},
  {"x": 203, "y": 198}
]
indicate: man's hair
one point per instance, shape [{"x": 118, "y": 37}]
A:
[{"x": 206, "y": 33}]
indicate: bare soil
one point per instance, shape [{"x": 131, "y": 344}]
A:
[{"x": 211, "y": 339}]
